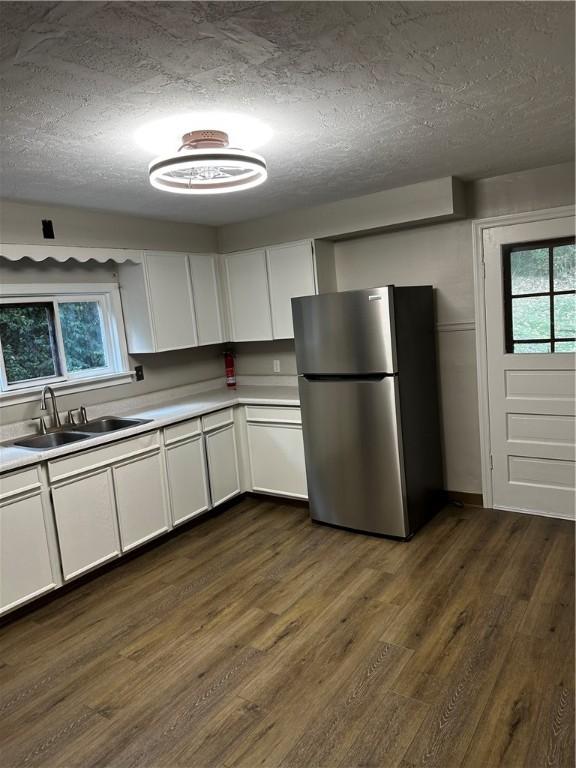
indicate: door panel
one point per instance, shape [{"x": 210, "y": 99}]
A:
[
  {"x": 140, "y": 500},
  {"x": 353, "y": 454},
  {"x": 171, "y": 295},
  {"x": 25, "y": 566},
  {"x": 187, "y": 479},
  {"x": 222, "y": 464},
  {"x": 345, "y": 333},
  {"x": 86, "y": 522},
  {"x": 531, "y": 396},
  {"x": 290, "y": 274},
  {"x": 206, "y": 299},
  {"x": 248, "y": 295},
  {"x": 277, "y": 459}
]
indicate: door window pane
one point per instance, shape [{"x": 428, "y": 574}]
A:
[
  {"x": 529, "y": 271},
  {"x": 28, "y": 341},
  {"x": 565, "y": 267},
  {"x": 531, "y": 318},
  {"x": 82, "y": 335},
  {"x": 532, "y": 347},
  {"x": 539, "y": 291},
  {"x": 565, "y": 346},
  {"x": 565, "y": 315}
]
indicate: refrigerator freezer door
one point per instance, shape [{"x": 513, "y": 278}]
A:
[
  {"x": 353, "y": 453},
  {"x": 350, "y": 332}
]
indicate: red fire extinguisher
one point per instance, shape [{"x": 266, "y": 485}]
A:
[{"x": 230, "y": 369}]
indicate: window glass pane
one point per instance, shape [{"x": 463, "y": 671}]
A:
[
  {"x": 82, "y": 335},
  {"x": 565, "y": 316},
  {"x": 28, "y": 346},
  {"x": 565, "y": 346},
  {"x": 531, "y": 318},
  {"x": 531, "y": 348},
  {"x": 565, "y": 268},
  {"x": 529, "y": 271}
]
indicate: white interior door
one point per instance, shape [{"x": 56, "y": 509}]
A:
[{"x": 530, "y": 306}]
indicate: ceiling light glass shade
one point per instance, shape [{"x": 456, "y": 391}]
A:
[{"x": 205, "y": 165}]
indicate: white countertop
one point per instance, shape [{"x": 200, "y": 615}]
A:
[{"x": 160, "y": 415}]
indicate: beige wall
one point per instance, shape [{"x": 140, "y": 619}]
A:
[
  {"x": 440, "y": 255},
  {"x": 434, "y": 200},
  {"x": 22, "y": 223},
  {"x": 161, "y": 371},
  {"x": 256, "y": 358}
]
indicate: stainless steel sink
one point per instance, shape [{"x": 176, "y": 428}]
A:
[
  {"x": 109, "y": 424},
  {"x": 51, "y": 440},
  {"x": 73, "y": 434}
]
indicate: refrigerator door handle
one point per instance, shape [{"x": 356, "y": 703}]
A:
[{"x": 347, "y": 376}]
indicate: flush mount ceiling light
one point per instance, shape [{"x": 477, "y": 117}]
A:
[{"x": 206, "y": 165}]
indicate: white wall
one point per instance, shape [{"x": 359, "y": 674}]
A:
[
  {"x": 21, "y": 223},
  {"x": 435, "y": 200},
  {"x": 440, "y": 255}
]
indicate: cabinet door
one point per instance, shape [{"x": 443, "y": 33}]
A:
[
  {"x": 187, "y": 479},
  {"x": 248, "y": 298},
  {"x": 206, "y": 298},
  {"x": 86, "y": 522},
  {"x": 222, "y": 464},
  {"x": 25, "y": 566},
  {"x": 140, "y": 500},
  {"x": 290, "y": 274},
  {"x": 277, "y": 459},
  {"x": 171, "y": 300}
]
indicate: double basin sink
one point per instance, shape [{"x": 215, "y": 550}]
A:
[{"x": 72, "y": 434}]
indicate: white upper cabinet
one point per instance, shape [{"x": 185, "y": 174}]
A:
[
  {"x": 206, "y": 298},
  {"x": 158, "y": 303},
  {"x": 248, "y": 296},
  {"x": 290, "y": 274}
]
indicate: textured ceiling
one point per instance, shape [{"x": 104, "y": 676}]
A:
[{"x": 360, "y": 96}]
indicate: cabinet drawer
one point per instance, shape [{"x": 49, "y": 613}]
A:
[
  {"x": 217, "y": 419},
  {"x": 274, "y": 414},
  {"x": 20, "y": 481},
  {"x": 102, "y": 456},
  {"x": 185, "y": 429}
]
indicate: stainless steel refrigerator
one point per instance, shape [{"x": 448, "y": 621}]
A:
[{"x": 369, "y": 397}]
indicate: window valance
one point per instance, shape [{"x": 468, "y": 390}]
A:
[{"x": 61, "y": 253}]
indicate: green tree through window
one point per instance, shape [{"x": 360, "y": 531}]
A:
[
  {"x": 82, "y": 335},
  {"x": 540, "y": 296},
  {"x": 28, "y": 341}
]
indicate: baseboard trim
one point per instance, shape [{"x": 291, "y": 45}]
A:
[{"x": 468, "y": 499}]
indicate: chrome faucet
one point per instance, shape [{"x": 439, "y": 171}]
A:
[{"x": 56, "y": 424}]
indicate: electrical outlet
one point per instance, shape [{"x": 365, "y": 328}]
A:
[
  {"x": 276, "y": 366},
  {"x": 139, "y": 371}
]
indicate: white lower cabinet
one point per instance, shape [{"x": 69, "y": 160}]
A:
[
  {"x": 108, "y": 500},
  {"x": 26, "y": 569},
  {"x": 140, "y": 500},
  {"x": 187, "y": 479},
  {"x": 223, "y": 464},
  {"x": 85, "y": 512},
  {"x": 277, "y": 459}
]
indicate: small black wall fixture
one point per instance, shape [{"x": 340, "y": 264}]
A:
[{"x": 47, "y": 229}]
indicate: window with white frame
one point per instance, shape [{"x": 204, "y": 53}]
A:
[{"x": 54, "y": 334}]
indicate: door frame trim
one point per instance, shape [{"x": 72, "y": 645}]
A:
[{"x": 479, "y": 226}]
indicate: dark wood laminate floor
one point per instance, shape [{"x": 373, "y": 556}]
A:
[{"x": 260, "y": 639}]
